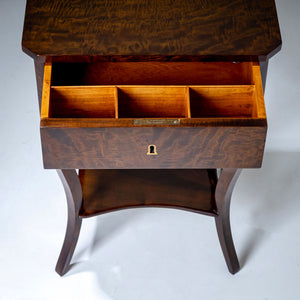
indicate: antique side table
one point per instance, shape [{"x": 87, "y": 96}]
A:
[{"x": 148, "y": 99}]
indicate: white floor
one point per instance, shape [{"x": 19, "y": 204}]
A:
[{"x": 148, "y": 253}]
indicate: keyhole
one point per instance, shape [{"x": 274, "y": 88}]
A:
[{"x": 151, "y": 150}]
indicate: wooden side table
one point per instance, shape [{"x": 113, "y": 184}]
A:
[{"x": 148, "y": 99}]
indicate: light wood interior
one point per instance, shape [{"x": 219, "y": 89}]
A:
[
  {"x": 222, "y": 101},
  {"x": 152, "y": 102},
  {"x": 184, "y": 100},
  {"x": 152, "y": 73},
  {"x": 83, "y": 102}
]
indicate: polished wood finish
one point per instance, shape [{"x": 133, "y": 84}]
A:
[
  {"x": 225, "y": 185},
  {"x": 152, "y": 102},
  {"x": 152, "y": 73},
  {"x": 118, "y": 148},
  {"x": 131, "y": 27},
  {"x": 116, "y": 78},
  {"x": 45, "y": 108},
  {"x": 223, "y": 101},
  {"x": 84, "y": 102},
  {"x": 109, "y": 190},
  {"x": 264, "y": 70},
  {"x": 242, "y": 98},
  {"x": 73, "y": 192},
  {"x": 39, "y": 75},
  {"x": 219, "y": 126}
]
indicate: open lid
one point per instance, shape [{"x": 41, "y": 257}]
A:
[{"x": 237, "y": 29}]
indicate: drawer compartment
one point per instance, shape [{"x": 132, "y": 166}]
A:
[
  {"x": 152, "y": 102},
  {"x": 197, "y": 115},
  {"x": 83, "y": 102}
]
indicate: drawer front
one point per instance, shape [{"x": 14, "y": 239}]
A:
[
  {"x": 109, "y": 116},
  {"x": 117, "y": 148}
]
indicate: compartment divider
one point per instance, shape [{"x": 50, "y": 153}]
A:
[
  {"x": 83, "y": 102},
  {"x": 116, "y": 103},
  {"x": 224, "y": 101},
  {"x": 188, "y": 102},
  {"x": 257, "y": 81},
  {"x": 203, "y": 101},
  {"x": 152, "y": 101}
]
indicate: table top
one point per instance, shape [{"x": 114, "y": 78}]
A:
[{"x": 157, "y": 27}]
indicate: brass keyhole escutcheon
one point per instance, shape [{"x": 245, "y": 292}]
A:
[{"x": 152, "y": 150}]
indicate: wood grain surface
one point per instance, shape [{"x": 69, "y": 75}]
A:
[
  {"x": 223, "y": 192},
  {"x": 152, "y": 102},
  {"x": 108, "y": 190},
  {"x": 87, "y": 102},
  {"x": 119, "y": 148},
  {"x": 151, "y": 73},
  {"x": 39, "y": 75},
  {"x": 158, "y": 27},
  {"x": 229, "y": 129},
  {"x": 73, "y": 192}
]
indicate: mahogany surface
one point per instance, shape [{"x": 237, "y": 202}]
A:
[
  {"x": 88, "y": 127},
  {"x": 226, "y": 183},
  {"x": 118, "y": 148},
  {"x": 126, "y": 45},
  {"x": 108, "y": 190},
  {"x": 138, "y": 27},
  {"x": 39, "y": 74},
  {"x": 73, "y": 192},
  {"x": 151, "y": 73}
]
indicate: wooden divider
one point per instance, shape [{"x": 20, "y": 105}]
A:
[
  {"x": 154, "y": 101},
  {"x": 83, "y": 102},
  {"x": 222, "y": 101}
]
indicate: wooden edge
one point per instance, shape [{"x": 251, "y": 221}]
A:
[
  {"x": 85, "y": 215},
  {"x": 129, "y": 122},
  {"x": 188, "y": 102},
  {"x": 227, "y": 86},
  {"x": 116, "y": 102},
  {"x": 152, "y": 86},
  {"x": 45, "y": 109},
  {"x": 259, "y": 93},
  {"x": 250, "y": 72},
  {"x": 79, "y": 58},
  {"x": 255, "y": 106},
  {"x": 83, "y": 87}
]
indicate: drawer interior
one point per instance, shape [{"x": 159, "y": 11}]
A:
[
  {"x": 152, "y": 90},
  {"x": 78, "y": 102},
  {"x": 152, "y": 102},
  {"x": 151, "y": 73}
]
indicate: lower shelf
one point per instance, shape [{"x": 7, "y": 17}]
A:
[{"x": 109, "y": 190}]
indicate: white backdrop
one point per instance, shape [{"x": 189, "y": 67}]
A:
[{"x": 148, "y": 253}]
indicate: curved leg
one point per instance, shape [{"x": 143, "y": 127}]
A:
[
  {"x": 73, "y": 192},
  {"x": 225, "y": 185}
]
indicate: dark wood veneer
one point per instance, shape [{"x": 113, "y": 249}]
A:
[
  {"x": 89, "y": 127},
  {"x": 151, "y": 73},
  {"x": 116, "y": 78},
  {"x": 224, "y": 188},
  {"x": 39, "y": 74},
  {"x": 131, "y": 27},
  {"x": 118, "y": 148},
  {"x": 108, "y": 190},
  {"x": 73, "y": 192}
]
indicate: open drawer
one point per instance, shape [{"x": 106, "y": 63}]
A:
[{"x": 116, "y": 115}]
